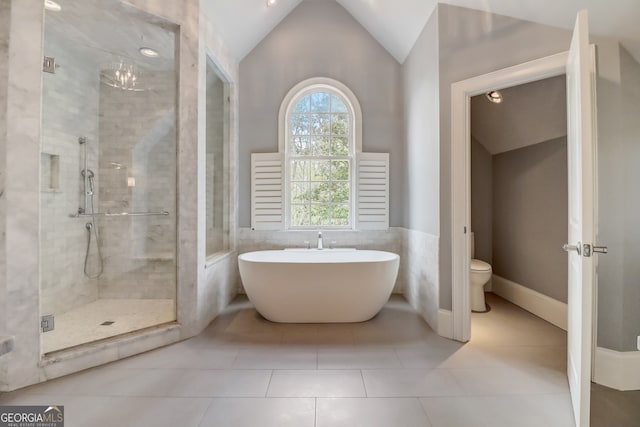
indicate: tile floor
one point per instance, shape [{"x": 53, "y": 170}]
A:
[
  {"x": 83, "y": 324},
  {"x": 391, "y": 371},
  {"x": 613, "y": 408}
]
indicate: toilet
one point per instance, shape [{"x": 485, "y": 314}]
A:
[{"x": 480, "y": 273}]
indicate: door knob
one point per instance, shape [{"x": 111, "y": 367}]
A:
[
  {"x": 587, "y": 249},
  {"x": 568, "y": 248}
]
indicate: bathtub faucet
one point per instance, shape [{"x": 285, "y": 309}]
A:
[{"x": 319, "y": 239}]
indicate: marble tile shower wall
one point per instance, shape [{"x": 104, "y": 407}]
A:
[
  {"x": 4, "y": 62},
  {"x": 69, "y": 110},
  {"x": 386, "y": 240},
  {"x": 215, "y": 169},
  {"x": 137, "y": 170},
  {"x": 421, "y": 273}
]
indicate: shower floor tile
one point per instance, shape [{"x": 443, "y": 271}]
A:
[{"x": 105, "y": 318}]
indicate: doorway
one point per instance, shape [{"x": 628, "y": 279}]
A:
[
  {"x": 579, "y": 65},
  {"x": 462, "y": 92},
  {"x": 519, "y": 198}
]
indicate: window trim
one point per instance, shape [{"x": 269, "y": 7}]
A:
[{"x": 300, "y": 90}]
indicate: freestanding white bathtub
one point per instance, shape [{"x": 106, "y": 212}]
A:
[{"x": 318, "y": 286}]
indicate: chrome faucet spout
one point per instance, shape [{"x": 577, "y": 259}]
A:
[{"x": 319, "y": 239}]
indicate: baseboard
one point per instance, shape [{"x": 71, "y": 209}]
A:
[
  {"x": 445, "y": 323},
  {"x": 547, "y": 308},
  {"x": 617, "y": 369}
]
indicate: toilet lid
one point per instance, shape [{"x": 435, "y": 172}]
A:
[{"x": 478, "y": 265}]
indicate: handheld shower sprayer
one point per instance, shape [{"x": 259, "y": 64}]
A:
[{"x": 89, "y": 175}]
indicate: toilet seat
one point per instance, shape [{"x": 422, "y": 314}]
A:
[{"x": 477, "y": 265}]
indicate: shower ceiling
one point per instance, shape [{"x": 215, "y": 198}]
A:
[{"x": 113, "y": 31}]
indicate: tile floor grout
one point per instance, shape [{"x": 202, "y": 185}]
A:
[{"x": 387, "y": 366}]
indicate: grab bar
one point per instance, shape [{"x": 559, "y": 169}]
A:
[{"x": 82, "y": 215}]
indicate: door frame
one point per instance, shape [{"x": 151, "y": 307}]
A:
[{"x": 461, "y": 93}]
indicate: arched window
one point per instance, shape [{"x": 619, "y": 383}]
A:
[{"x": 320, "y": 123}]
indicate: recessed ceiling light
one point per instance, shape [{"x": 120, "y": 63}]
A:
[
  {"x": 52, "y": 6},
  {"x": 271, "y": 2},
  {"x": 148, "y": 52},
  {"x": 494, "y": 96}
]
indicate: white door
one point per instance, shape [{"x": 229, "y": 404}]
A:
[{"x": 580, "y": 148}]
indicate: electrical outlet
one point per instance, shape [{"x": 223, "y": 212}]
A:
[{"x": 638, "y": 343}]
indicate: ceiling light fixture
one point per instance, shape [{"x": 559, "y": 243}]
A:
[
  {"x": 121, "y": 76},
  {"x": 52, "y": 6},
  {"x": 148, "y": 52},
  {"x": 271, "y": 2},
  {"x": 494, "y": 96}
]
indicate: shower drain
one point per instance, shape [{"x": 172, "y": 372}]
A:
[{"x": 107, "y": 323}]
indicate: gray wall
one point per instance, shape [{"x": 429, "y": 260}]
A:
[
  {"x": 420, "y": 90},
  {"x": 473, "y": 43},
  {"x": 618, "y": 97},
  {"x": 630, "y": 72},
  {"x": 421, "y": 109},
  {"x": 530, "y": 217},
  {"x": 482, "y": 200},
  {"x": 321, "y": 39}
]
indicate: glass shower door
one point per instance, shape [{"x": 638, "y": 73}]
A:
[{"x": 108, "y": 173}]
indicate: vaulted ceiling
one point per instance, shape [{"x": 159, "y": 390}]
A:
[{"x": 396, "y": 24}]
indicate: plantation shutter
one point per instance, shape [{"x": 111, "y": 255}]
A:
[
  {"x": 372, "y": 191},
  {"x": 267, "y": 197}
]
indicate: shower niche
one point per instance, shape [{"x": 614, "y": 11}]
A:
[{"x": 108, "y": 199}]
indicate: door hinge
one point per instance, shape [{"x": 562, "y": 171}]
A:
[
  {"x": 47, "y": 323},
  {"x": 49, "y": 65}
]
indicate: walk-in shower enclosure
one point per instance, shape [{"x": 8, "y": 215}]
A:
[{"x": 108, "y": 174}]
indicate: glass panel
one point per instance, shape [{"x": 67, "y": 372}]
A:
[
  {"x": 340, "y": 146},
  {"x": 299, "y": 124},
  {"x": 340, "y": 192},
  {"x": 217, "y": 186},
  {"x": 300, "y": 215},
  {"x": 340, "y": 215},
  {"x": 304, "y": 105},
  {"x": 340, "y": 170},
  {"x": 320, "y": 124},
  {"x": 320, "y": 170},
  {"x": 299, "y": 192},
  {"x": 337, "y": 106},
  {"x": 320, "y": 214},
  {"x": 320, "y": 193},
  {"x": 300, "y": 170},
  {"x": 301, "y": 146},
  {"x": 321, "y": 145},
  {"x": 108, "y": 145},
  {"x": 340, "y": 124},
  {"x": 320, "y": 102}
]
